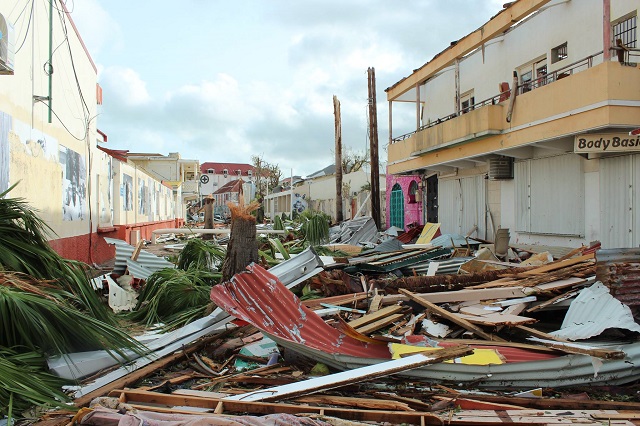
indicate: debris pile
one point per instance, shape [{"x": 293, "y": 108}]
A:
[{"x": 367, "y": 328}]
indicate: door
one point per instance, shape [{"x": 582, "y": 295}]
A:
[
  {"x": 396, "y": 205},
  {"x": 432, "y": 199}
]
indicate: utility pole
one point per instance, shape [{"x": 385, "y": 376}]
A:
[
  {"x": 373, "y": 147},
  {"x": 338, "y": 131}
]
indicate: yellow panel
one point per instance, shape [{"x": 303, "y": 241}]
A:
[
  {"x": 428, "y": 232},
  {"x": 478, "y": 357}
]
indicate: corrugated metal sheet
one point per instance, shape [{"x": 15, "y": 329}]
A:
[
  {"x": 461, "y": 205},
  {"x": 620, "y": 201},
  {"x": 619, "y": 270},
  {"x": 146, "y": 259},
  {"x": 387, "y": 262},
  {"x": 298, "y": 268},
  {"x": 592, "y": 312},
  {"x": 441, "y": 267},
  {"x": 359, "y": 230},
  {"x": 568, "y": 370},
  {"x": 259, "y": 298}
]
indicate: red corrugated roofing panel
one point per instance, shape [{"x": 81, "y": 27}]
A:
[{"x": 258, "y": 297}]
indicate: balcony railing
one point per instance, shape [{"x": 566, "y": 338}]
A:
[{"x": 559, "y": 74}]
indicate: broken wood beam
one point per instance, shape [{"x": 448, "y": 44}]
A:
[
  {"x": 377, "y": 325},
  {"x": 369, "y": 318},
  {"x": 150, "y": 400},
  {"x": 450, "y": 316}
]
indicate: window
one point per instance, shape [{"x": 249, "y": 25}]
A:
[
  {"x": 211, "y": 171},
  {"x": 626, "y": 31},
  {"x": 533, "y": 75},
  {"x": 559, "y": 53},
  {"x": 467, "y": 101},
  {"x": 249, "y": 172},
  {"x": 225, "y": 172},
  {"x": 625, "y": 35},
  {"x": 239, "y": 172},
  {"x": 413, "y": 192}
]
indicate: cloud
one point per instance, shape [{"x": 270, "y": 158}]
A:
[{"x": 258, "y": 78}]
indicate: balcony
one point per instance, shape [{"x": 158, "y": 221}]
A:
[
  {"x": 190, "y": 187},
  {"x": 579, "y": 98}
]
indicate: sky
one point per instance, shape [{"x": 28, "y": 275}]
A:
[{"x": 223, "y": 80}]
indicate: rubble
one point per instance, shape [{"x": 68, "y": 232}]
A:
[{"x": 411, "y": 334}]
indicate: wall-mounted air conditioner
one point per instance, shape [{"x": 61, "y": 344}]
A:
[
  {"x": 501, "y": 168},
  {"x": 7, "y": 47}
]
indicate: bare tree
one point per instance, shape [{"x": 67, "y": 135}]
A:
[
  {"x": 267, "y": 175},
  {"x": 352, "y": 161}
]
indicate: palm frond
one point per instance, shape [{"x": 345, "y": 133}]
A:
[
  {"x": 201, "y": 254},
  {"x": 37, "y": 316},
  {"x": 25, "y": 248},
  {"x": 23, "y": 383},
  {"x": 169, "y": 293}
]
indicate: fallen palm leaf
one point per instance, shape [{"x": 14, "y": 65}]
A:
[
  {"x": 25, "y": 248},
  {"x": 38, "y": 317},
  {"x": 174, "y": 296},
  {"x": 23, "y": 383}
]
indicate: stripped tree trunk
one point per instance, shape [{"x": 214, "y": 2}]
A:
[
  {"x": 242, "y": 249},
  {"x": 208, "y": 217}
]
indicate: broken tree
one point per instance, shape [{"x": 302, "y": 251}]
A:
[{"x": 242, "y": 249}]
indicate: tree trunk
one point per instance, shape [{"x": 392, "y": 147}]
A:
[
  {"x": 242, "y": 249},
  {"x": 208, "y": 217}
]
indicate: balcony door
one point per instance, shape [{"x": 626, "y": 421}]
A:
[{"x": 432, "y": 199}]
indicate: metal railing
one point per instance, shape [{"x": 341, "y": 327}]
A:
[{"x": 549, "y": 78}]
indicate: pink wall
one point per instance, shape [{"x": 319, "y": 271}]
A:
[{"x": 412, "y": 211}]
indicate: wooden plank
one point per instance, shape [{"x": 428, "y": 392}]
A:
[
  {"x": 368, "y": 403},
  {"x": 375, "y": 316},
  {"x": 558, "y": 265},
  {"x": 554, "y": 300},
  {"x": 450, "y": 316},
  {"x": 465, "y": 295},
  {"x": 558, "y": 403},
  {"x": 573, "y": 348},
  {"x": 370, "y": 328},
  {"x": 415, "y": 404},
  {"x": 539, "y": 334},
  {"x": 149, "y": 400},
  {"x": 627, "y": 415},
  {"x": 136, "y": 251},
  {"x": 335, "y": 300},
  {"x": 514, "y": 309},
  {"x": 496, "y": 319}
]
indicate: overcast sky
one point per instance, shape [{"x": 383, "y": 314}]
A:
[{"x": 224, "y": 80}]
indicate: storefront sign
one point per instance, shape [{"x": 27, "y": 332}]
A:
[{"x": 606, "y": 142}]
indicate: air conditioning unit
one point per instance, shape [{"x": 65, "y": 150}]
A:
[
  {"x": 501, "y": 168},
  {"x": 7, "y": 47}
]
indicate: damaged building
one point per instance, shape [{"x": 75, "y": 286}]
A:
[{"x": 515, "y": 126}]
